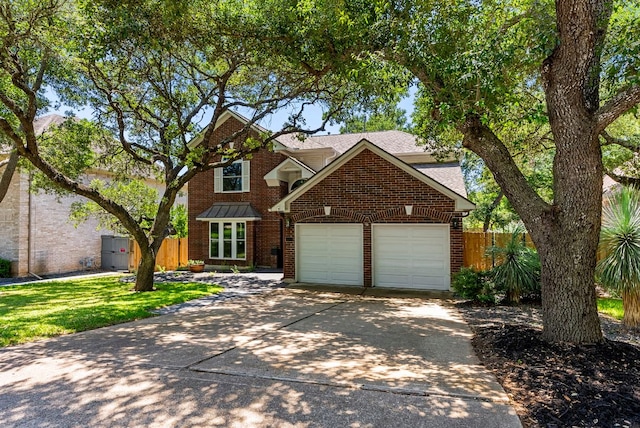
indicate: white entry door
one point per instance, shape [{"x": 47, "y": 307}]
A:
[
  {"x": 412, "y": 256},
  {"x": 329, "y": 253}
]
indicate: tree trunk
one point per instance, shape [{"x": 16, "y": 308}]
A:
[
  {"x": 631, "y": 305},
  {"x": 569, "y": 304},
  {"x": 512, "y": 296},
  {"x": 7, "y": 174},
  {"x": 146, "y": 268}
]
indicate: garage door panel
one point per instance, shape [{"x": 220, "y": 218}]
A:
[
  {"x": 329, "y": 253},
  {"x": 411, "y": 256},
  {"x": 409, "y": 281}
]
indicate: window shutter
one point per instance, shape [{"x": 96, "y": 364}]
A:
[
  {"x": 217, "y": 180},
  {"x": 246, "y": 176}
]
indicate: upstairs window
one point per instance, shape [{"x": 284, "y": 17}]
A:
[{"x": 232, "y": 178}]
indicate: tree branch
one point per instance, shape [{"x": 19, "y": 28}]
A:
[
  {"x": 491, "y": 209},
  {"x": 634, "y": 146},
  {"x": 482, "y": 141},
  {"x": 7, "y": 174},
  {"x": 617, "y": 106}
]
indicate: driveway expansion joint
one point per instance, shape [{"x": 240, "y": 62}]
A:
[
  {"x": 266, "y": 333},
  {"x": 353, "y": 386}
]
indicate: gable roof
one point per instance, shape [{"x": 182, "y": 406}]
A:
[
  {"x": 43, "y": 123},
  {"x": 226, "y": 115},
  {"x": 395, "y": 142},
  {"x": 461, "y": 203},
  {"x": 273, "y": 177},
  {"x": 448, "y": 174}
]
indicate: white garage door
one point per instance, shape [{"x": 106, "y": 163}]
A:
[
  {"x": 411, "y": 256},
  {"x": 329, "y": 253}
]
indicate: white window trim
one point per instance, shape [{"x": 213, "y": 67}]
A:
[
  {"x": 245, "y": 174},
  {"x": 234, "y": 248}
]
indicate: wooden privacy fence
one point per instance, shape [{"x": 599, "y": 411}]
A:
[
  {"x": 476, "y": 245},
  {"x": 174, "y": 252}
]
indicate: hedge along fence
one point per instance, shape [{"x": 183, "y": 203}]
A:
[
  {"x": 174, "y": 253},
  {"x": 476, "y": 245}
]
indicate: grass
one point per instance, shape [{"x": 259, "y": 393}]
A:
[
  {"x": 611, "y": 307},
  {"x": 37, "y": 311}
]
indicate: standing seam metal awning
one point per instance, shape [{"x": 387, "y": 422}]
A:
[{"x": 231, "y": 211}]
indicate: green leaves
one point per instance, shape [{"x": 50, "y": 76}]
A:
[
  {"x": 519, "y": 270},
  {"x": 71, "y": 147},
  {"x": 620, "y": 241},
  {"x": 136, "y": 197}
]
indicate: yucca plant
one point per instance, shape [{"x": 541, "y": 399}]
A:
[
  {"x": 519, "y": 270},
  {"x": 619, "y": 269}
]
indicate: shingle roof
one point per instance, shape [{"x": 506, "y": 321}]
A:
[
  {"x": 461, "y": 202},
  {"x": 42, "y": 123},
  {"x": 394, "y": 142},
  {"x": 447, "y": 174},
  {"x": 221, "y": 210},
  {"x": 609, "y": 184}
]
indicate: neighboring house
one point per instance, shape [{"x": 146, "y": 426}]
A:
[
  {"x": 36, "y": 234},
  {"x": 609, "y": 185},
  {"x": 370, "y": 209}
]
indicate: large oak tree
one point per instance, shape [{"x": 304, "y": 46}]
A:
[
  {"x": 571, "y": 66},
  {"x": 156, "y": 74}
]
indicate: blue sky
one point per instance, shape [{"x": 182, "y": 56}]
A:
[{"x": 313, "y": 115}]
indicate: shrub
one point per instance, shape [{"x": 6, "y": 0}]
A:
[
  {"x": 474, "y": 285},
  {"x": 5, "y": 268},
  {"x": 619, "y": 269},
  {"x": 518, "y": 274}
]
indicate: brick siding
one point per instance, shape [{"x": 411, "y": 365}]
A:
[
  {"x": 262, "y": 235},
  {"x": 37, "y": 236},
  {"x": 369, "y": 189}
]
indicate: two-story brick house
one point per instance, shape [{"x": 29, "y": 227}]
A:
[{"x": 355, "y": 209}]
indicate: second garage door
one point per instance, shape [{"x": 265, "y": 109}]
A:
[
  {"x": 329, "y": 253},
  {"x": 411, "y": 256}
]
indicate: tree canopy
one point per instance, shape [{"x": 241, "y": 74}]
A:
[
  {"x": 156, "y": 75},
  {"x": 508, "y": 77}
]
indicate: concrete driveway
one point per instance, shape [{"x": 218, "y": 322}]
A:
[{"x": 289, "y": 358}]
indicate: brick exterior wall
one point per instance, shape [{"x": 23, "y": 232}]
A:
[
  {"x": 13, "y": 225},
  {"x": 369, "y": 189},
  {"x": 37, "y": 236},
  {"x": 262, "y": 235}
]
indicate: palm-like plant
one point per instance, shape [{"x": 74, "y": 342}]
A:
[
  {"x": 619, "y": 269},
  {"x": 519, "y": 271}
]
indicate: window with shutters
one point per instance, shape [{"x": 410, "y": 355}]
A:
[{"x": 232, "y": 178}]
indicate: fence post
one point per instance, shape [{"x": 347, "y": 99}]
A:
[{"x": 493, "y": 253}]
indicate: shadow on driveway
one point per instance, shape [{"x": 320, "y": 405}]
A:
[{"x": 287, "y": 358}]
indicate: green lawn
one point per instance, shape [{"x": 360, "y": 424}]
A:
[
  {"x": 36, "y": 311},
  {"x": 611, "y": 307}
]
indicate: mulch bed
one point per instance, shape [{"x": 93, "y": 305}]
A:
[{"x": 559, "y": 385}]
